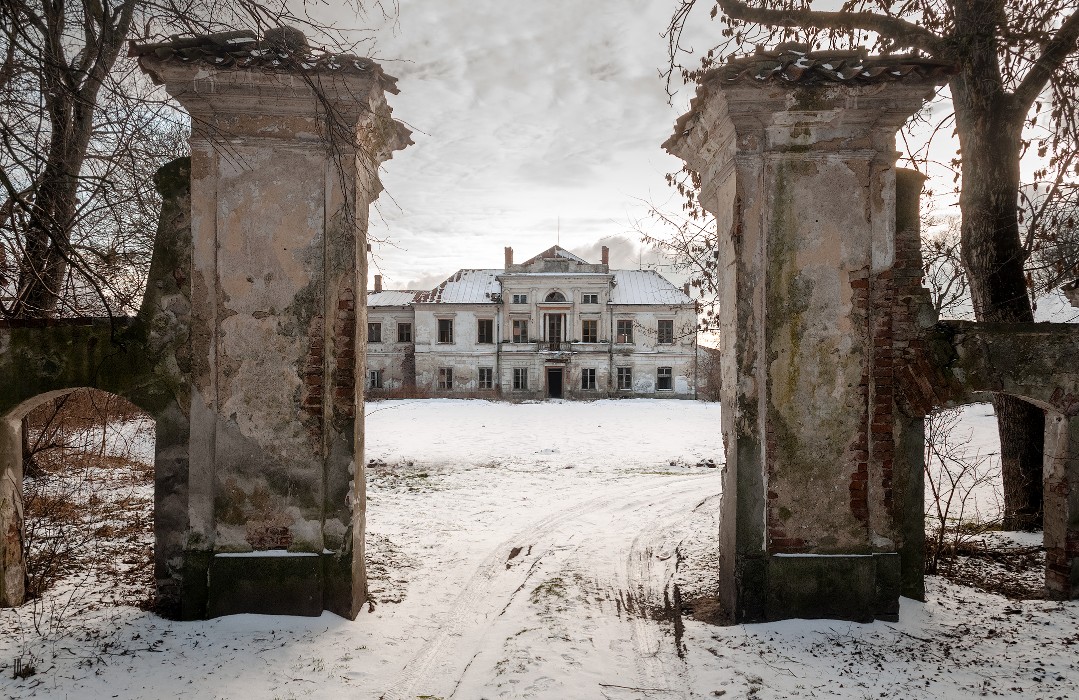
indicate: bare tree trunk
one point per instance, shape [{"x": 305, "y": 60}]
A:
[
  {"x": 70, "y": 88},
  {"x": 989, "y": 124}
]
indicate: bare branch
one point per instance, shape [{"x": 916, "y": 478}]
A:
[
  {"x": 900, "y": 31},
  {"x": 1052, "y": 58}
]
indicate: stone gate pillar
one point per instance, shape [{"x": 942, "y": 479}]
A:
[
  {"x": 285, "y": 148},
  {"x": 796, "y": 158}
]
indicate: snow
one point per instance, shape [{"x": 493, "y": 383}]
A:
[
  {"x": 267, "y": 553},
  {"x": 979, "y": 444},
  {"x": 645, "y": 287},
  {"x": 465, "y": 287},
  {"x": 391, "y": 297},
  {"x": 531, "y": 551}
]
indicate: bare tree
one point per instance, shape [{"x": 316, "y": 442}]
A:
[
  {"x": 963, "y": 500},
  {"x": 81, "y": 133},
  {"x": 945, "y": 277},
  {"x": 1015, "y": 87}
]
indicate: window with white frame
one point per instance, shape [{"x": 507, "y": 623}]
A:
[
  {"x": 588, "y": 378},
  {"x": 520, "y": 298},
  {"x": 664, "y": 379},
  {"x": 624, "y": 331},
  {"x": 520, "y": 330},
  {"x": 487, "y": 378},
  {"x": 665, "y": 331},
  {"x": 404, "y": 332},
  {"x": 624, "y": 375},
  {"x": 374, "y": 379},
  {"x": 590, "y": 298},
  {"x": 590, "y": 331},
  {"x": 374, "y": 332},
  {"x": 520, "y": 378},
  {"x": 445, "y": 330},
  {"x": 445, "y": 377}
]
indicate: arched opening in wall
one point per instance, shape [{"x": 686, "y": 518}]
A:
[
  {"x": 964, "y": 508},
  {"x": 88, "y": 500}
]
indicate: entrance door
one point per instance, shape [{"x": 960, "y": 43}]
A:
[{"x": 554, "y": 382}]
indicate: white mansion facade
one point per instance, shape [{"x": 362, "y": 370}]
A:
[{"x": 553, "y": 326}]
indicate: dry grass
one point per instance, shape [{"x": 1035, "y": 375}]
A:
[{"x": 88, "y": 498}]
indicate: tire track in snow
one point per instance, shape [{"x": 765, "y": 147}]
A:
[
  {"x": 492, "y": 587},
  {"x": 651, "y": 563}
]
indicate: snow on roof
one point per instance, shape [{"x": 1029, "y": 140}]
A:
[
  {"x": 555, "y": 252},
  {"x": 465, "y": 287},
  {"x": 645, "y": 287},
  {"x": 392, "y": 297}
]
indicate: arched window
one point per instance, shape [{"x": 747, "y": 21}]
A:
[{"x": 555, "y": 296}]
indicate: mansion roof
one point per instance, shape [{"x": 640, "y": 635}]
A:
[
  {"x": 392, "y": 297},
  {"x": 465, "y": 287},
  {"x": 469, "y": 286},
  {"x": 645, "y": 287}
]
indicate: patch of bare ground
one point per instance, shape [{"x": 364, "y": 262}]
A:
[{"x": 1012, "y": 570}]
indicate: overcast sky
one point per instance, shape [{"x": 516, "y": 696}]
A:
[{"x": 535, "y": 122}]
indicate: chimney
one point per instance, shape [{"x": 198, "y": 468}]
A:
[
  {"x": 685, "y": 289},
  {"x": 378, "y": 283},
  {"x": 605, "y": 255},
  {"x": 509, "y": 257}
]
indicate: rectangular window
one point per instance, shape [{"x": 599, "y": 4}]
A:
[
  {"x": 374, "y": 332},
  {"x": 590, "y": 298},
  {"x": 554, "y": 327},
  {"x": 520, "y": 298},
  {"x": 590, "y": 331},
  {"x": 520, "y": 330},
  {"x": 588, "y": 378},
  {"x": 624, "y": 331},
  {"x": 445, "y": 330},
  {"x": 664, "y": 379},
  {"x": 625, "y": 378},
  {"x": 520, "y": 378},
  {"x": 485, "y": 331},
  {"x": 665, "y": 332},
  {"x": 445, "y": 377},
  {"x": 404, "y": 332},
  {"x": 487, "y": 378},
  {"x": 374, "y": 379}
]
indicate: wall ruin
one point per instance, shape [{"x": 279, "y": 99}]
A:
[
  {"x": 246, "y": 349},
  {"x": 832, "y": 354}
]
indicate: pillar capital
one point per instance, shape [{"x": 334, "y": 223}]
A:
[{"x": 239, "y": 88}]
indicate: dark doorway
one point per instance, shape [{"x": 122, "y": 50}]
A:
[{"x": 554, "y": 382}]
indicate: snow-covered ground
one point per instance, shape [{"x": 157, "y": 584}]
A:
[{"x": 532, "y": 551}]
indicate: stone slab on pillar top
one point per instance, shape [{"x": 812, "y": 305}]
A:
[
  {"x": 796, "y": 159},
  {"x": 285, "y": 148}
]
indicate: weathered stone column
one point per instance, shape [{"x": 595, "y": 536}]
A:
[
  {"x": 1061, "y": 506},
  {"x": 285, "y": 147},
  {"x": 796, "y": 156},
  {"x": 12, "y": 566}
]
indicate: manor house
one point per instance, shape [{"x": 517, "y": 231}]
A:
[{"x": 553, "y": 326}]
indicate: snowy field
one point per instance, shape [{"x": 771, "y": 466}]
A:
[{"x": 534, "y": 551}]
